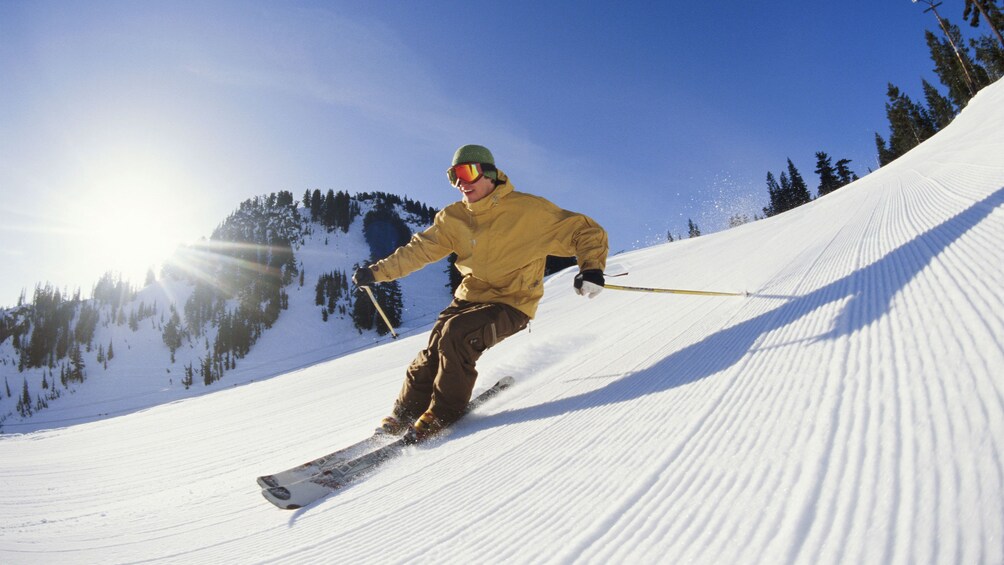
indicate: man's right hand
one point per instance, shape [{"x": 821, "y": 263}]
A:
[
  {"x": 589, "y": 283},
  {"x": 363, "y": 277}
]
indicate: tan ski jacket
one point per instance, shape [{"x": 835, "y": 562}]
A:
[{"x": 501, "y": 242}]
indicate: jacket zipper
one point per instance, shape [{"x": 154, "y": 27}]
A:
[{"x": 474, "y": 241}]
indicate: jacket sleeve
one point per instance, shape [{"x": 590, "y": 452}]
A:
[
  {"x": 578, "y": 235},
  {"x": 425, "y": 247}
]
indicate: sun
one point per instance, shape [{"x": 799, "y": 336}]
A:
[
  {"x": 134, "y": 234},
  {"x": 129, "y": 214}
]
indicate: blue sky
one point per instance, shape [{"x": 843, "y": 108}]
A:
[{"x": 128, "y": 127}]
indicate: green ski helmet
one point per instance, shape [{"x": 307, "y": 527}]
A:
[
  {"x": 476, "y": 154},
  {"x": 473, "y": 154}
]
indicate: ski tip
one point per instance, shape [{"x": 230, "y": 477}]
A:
[
  {"x": 267, "y": 481},
  {"x": 506, "y": 381}
]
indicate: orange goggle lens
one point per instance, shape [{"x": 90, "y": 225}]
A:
[{"x": 467, "y": 172}]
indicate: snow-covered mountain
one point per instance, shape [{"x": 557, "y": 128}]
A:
[
  {"x": 127, "y": 364},
  {"x": 850, "y": 410}
]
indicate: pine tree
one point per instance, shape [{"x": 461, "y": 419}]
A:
[
  {"x": 24, "y": 403},
  {"x": 787, "y": 194},
  {"x": 363, "y": 314},
  {"x": 939, "y": 107},
  {"x": 7, "y": 386},
  {"x": 206, "y": 368},
  {"x": 990, "y": 13},
  {"x": 330, "y": 213},
  {"x": 341, "y": 216},
  {"x": 316, "y": 205},
  {"x": 172, "y": 333},
  {"x": 319, "y": 294},
  {"x": 738, "y": 219},
  {"x": 774, "y": 192},
  {"x": 844, "y": 173},
  {"x": 787, "y": 202},
  {"x": 828, "y": 179},
  {"x": 40, "y": 403},
  {"x": 885, "y": 153},
  {"x": 990, "y": 55},
  {"x": 692, "y": 228},
  {"x": 77, "y": 365},
  {"x": 910, "y": 125},
  {"x": 799, "y": 190},
  {"x": 955, "y": 67},
  {"x": 332, "y": 300},
  {"x": 189, "y": 376}
]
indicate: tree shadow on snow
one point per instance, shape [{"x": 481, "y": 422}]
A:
[{"x": 868, "y": 292}]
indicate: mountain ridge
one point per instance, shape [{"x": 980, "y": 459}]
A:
[{"x": 262, "y": 261}]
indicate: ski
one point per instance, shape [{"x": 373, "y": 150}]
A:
[
  {"x": 338, "y": 470},
  {"x": 311, "y": 468}
]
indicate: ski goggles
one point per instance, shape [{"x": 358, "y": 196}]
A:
[{"x": 467, "y": 172}]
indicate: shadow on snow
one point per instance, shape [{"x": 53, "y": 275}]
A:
[{"x": 866, "y": 303}]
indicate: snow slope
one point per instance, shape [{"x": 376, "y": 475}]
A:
[{"x": 850, "y": 410}]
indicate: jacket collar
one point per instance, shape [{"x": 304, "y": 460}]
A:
[{"x": 489, "y": 202}]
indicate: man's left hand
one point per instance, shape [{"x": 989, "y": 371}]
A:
[
  {"x": 363, "y": 277},
  {"x": 589, "y": 283}
]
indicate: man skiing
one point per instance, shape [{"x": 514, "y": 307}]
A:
[{"x": 501, "y": 238}]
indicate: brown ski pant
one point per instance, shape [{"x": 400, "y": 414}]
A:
[{"x": 442, "y": 376}]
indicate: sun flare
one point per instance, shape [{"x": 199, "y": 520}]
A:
[{"x": 129, "y": 216}]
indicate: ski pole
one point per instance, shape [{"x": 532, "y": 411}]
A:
[
  {"x": 673, "y": 290},
  {"x": 380, "y": 310}
]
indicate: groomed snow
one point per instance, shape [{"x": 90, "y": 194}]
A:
[{"x": 850, "y": 410}]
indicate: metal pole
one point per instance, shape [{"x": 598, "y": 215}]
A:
[
  {"x": 673, "y": 290},
  {"x": 380, "y": 310}
]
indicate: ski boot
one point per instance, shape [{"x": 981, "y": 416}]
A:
[
  {"x": 397, "y": 423},
  {"x": 426, "y": 426},
  {"x": 392, "y": 426}
]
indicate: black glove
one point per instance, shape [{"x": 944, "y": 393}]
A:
[
  {"x": 363, "y": 277},
  {"x": 589, "y": 282}
]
